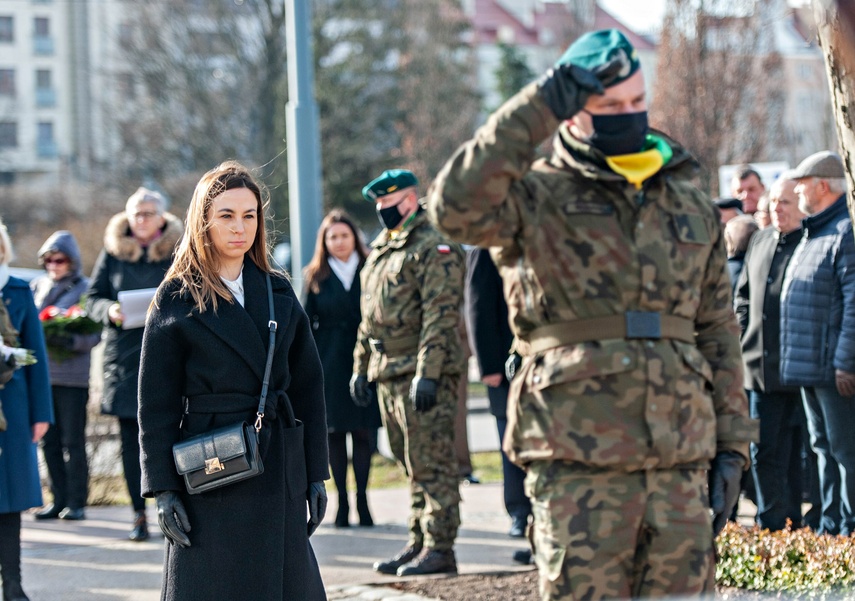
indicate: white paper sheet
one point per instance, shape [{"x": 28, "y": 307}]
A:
[{"x": 134, "y": 305}]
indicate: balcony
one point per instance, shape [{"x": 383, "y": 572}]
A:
[
  {"x": 46, "y": 149},
  {"x": 45, "y": 97},
  {"x": 43, "y": 45}
]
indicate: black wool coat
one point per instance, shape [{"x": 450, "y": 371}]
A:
[
  {"x": 334, "y": 315},
  {"x": 249, "y": 540}
]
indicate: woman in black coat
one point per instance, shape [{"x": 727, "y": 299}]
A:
[
  {"x": 138, "y": 247},
  {"x": 332, "y": 303},
  {"x": 206, "y": 344}
]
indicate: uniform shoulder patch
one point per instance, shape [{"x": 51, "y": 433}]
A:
[{"x": 443, "y": 249}]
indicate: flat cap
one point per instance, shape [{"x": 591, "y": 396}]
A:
[
  {"x": 728, "y": 203},
  {"x": 598, "y": 48},
  {"x": 387, "y": 182},
  {"x": 825, "y": 165}
]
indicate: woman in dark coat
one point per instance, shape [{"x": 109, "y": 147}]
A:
[
  {"x": 27, "y": 405},
  {"x": 332, "y": 303},
  {"x": 206, "y": 343},
  {"x": 138, "y": 247}
]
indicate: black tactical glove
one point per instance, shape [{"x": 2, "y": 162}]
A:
[
  {"x": 566, "y": 88},
  {"x": 423, "y": 394},
  {"x": 359, "y": 390},
  {"x": 317, "y": 498},
  {"x": 172, "y": 517},
  {"x": 725, "y": 479},
  {"x": 512, "y": 365}
]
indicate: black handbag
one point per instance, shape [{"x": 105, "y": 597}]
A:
[{"x": 228, "y": 454}]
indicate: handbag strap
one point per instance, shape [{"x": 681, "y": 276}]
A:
[{"x": 266, "y": 382}]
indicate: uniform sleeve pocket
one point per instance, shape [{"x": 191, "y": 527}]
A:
[
  {"x": 581, "y": 361},
  {"x": 690, "y": 229}
]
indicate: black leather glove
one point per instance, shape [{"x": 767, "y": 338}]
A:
[
  {"x": 725, "y": 479},
  {"x": 512, "y": 365},
  {"x": 359, "y": 390},
  {"x": 172, "y": 517},
  {"x": 423, "y": 394},
  {"x": 317, "y": 498},
  {"x": 566, "y": 88},
  {"x": 60, "y": 341}
]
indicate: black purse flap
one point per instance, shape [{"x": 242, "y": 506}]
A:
[{"x": 221, "y": 444}]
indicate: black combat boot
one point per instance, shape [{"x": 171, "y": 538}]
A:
[
  {"x": 140, "y": 531},
  {"x": 390, "y": 566},
  {"x": 430, "y": 561},
  {"x": 362, "y": 510}
]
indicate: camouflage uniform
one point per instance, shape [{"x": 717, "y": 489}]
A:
[
  {"x": 411, "y": 287},
  {"x": 616, "y": 429}
]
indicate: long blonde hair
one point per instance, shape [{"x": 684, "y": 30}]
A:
[{"x": 196, "y": 264}]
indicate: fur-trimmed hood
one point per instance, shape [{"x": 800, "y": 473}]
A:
[{"x": 120, "y": 243}]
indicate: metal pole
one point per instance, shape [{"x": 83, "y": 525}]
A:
[{"x": 303, "y": 139}]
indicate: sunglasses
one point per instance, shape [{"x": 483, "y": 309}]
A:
[{"x": 55, "y": 261}]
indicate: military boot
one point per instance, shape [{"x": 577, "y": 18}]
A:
[
  {"x": 390, "y": 566},
  {"x": 430, "y": 561}
]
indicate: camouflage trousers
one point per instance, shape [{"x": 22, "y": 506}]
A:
[
  {"x": 423, "y": 443},
  {"x": 602, "y": 534}
]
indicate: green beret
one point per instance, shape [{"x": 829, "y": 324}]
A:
[
  {"x": 389, "y": 181},
  {"x": 598, "y": 48}
]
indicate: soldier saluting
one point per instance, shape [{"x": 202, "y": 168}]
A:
[
  {"x": 408, "y": 345},
  {"x": 629, "y": 402}
]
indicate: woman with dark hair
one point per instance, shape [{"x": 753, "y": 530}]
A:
[
  {"x": 203, "y": 363},
  {"x": 332, "y": 303}
]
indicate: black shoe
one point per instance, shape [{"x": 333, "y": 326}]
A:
[
  {"x": 390, "y": 566},
  {"x": 430, "y": 561},
  {"x": 51, "y": 512},
  {"x": 362, "y": 509},
  {"x": 522, "y": 556},
  {"x": 72, "y": 514},
  {"x": 518, "y": 524},
  {"x": 341, "y": 514},
  {"x": 12, "y": 591},
  {"x": 140, "y": 531},
  {"x": 470, "y": 479}
]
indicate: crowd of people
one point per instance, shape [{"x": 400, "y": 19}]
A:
[{"x": 648, "y": 354}]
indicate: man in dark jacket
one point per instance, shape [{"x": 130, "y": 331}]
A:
[
  {"x": 818, "y": 332},
  {"x": 138, "y": 247},
  {"x": 776, "y": 457}
]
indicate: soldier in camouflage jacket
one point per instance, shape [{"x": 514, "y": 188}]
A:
[
  {"x": 408, "y": 344},
  {"x": 613, "y": 266}
]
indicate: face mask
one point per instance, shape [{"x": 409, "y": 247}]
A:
[
  {"x": 619, "y": 134},
  {"x": 389, "y": 217}
]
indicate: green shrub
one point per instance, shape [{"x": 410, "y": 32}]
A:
[{"x": 798, "y": 562}]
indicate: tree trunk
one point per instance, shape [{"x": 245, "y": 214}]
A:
[{"x": 835, "y": 29}]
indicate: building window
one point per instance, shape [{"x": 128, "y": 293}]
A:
[
  {"x": 7, "y": 82},
  {"x": 45, "y": 94},
  {"x": 126, "y": 84},
  {"x": 126, "y": 35},
  {"x": 42, "y": 40},
  {"x": 8, "y": 134},
  {"x": 7, "y": 29},
  {"x": 46, "y": 145}
]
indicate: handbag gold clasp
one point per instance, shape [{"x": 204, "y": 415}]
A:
[{"x": 212, "y": 466}]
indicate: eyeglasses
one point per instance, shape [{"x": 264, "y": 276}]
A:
[
  {"x": 55, "y": 261},
  {"x": 144, "y": 215}
]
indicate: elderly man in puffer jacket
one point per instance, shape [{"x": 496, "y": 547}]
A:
[{"x": 629, "y": 399}]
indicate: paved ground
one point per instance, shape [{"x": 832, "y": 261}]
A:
[{"x": 92, "y": 561}]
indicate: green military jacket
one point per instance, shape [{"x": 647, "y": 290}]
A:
[
  {"x": 574, "y": 240},
  {"x": 411, "y": 295}
]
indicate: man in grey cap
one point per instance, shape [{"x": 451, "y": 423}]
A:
[{"x": 818, "y": 332}]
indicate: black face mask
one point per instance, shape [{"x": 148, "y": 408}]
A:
[
  {"x": 619, "y": 134},
  {"x": 389, "y": 217}
]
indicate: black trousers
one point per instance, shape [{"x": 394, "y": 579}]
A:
[
  {"x": 69, "y": 478},
  {"x": 516, "y": 503},
  {"x": 129, "y": 429},
  {"x": 10, "y": 546}
]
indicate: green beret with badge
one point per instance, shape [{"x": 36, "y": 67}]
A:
[
  {"x": 599, "y": 48},
  {"x": 388, "y": 182}
]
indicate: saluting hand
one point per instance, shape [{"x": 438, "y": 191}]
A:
[{"x": 566, "y": 88}]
